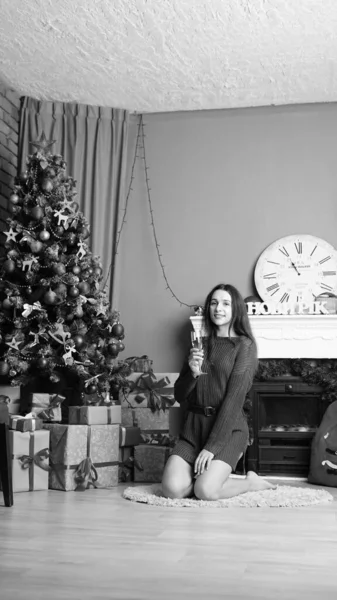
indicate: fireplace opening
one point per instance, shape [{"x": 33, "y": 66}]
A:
[{"x": 285, "y": 415}]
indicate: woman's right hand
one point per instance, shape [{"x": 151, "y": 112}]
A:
[{"x": 195, "y": 360}]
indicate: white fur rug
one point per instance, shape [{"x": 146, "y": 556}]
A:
[{"x": 284, "y": 496}]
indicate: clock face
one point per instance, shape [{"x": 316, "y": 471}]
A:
[{"x": 296, "y": 268}]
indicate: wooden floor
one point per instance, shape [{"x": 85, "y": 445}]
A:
[{"x": 57, "y": 545}]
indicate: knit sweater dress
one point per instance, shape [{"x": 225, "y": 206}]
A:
[{"x": 230, "y": 365}]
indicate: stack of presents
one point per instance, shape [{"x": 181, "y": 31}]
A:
[{"x": 101, "y": 443}]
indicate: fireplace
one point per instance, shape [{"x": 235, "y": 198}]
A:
[
  {"x": 287, "y": 411},
  {"x": 285, "y": 415}
]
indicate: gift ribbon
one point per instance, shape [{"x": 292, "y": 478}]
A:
[
  {"x": 55, "y": 401},
  {"x": 85, "y": 472},
  {"x": 148, "y": 387},
  {"x": 28, "y": 461}
]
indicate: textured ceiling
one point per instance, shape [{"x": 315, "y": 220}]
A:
[{"x": 169, "y": 55}]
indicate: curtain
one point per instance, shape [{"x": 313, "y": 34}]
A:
[{"x": 93, "y": 142}]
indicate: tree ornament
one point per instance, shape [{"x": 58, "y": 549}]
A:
[
  {"x": 84, "y": 232},
  {"x": 47, "y": 185},
  {"x": 11, "y": 235},
  {"x": 91, "y": 389},
  {"x": 98, "y": 272},
  {"x": 59, "y": 231},
  {"x": 117, "y": 330},
  {"x": 120, "y": 346},
  {"x": 50, "y": 298},
  {"x": 59, "y": 269},
  {"x": 73, "y": 291},
  {"x": 14, "y": 209},
  {"x": 84, "y": 287},
  {"x": 71, "y": 238},
  {"x": 61, "y": 289},
  {"x": 44, "y": 235},
  {"x": 36, "y": 246},
  {"x": 4, "y": 368},
  {"x": 79, "y": 340},
  {"x": 113, "y": 350},
  {"x": 7, "y": 304},
  {"x": 14, "y": 198},
  {"x": 42, "y": 362},
  {"x": 28, "y": 263},
  {"x": 42, "y": 144},
  {"x": 9, "y": 266},
  {"x": 23, "y": 177},
  {"x": 76, "y": 270},
  {"x": 12, "y": 373},
  {"x": 37, "y": 213}
]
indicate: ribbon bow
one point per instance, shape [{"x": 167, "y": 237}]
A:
[
  {"x": 149, "y": 388},
  {"x": 38, "y": 459},
  {"x": 86, "y": 475},
  {"x": 28, "y": 308},
  {"x": 55, "y": 400}
]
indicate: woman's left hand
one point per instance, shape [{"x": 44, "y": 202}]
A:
[{"x": 203, "y": 462}]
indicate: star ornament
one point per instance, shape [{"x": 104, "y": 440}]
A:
[
  {"x": 14, "y": 343},
  {"x": 11, "y": 235},
  {"x": 43, "y": 145}
]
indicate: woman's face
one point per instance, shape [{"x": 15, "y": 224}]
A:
[{"x": 221, "y": 310}]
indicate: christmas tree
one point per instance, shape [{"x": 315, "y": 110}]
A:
[{"x": 54, "y": 312}]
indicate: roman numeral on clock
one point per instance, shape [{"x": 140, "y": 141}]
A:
[
  {"x": 324, "y": 260},
  {"x": 326, "y": 273},
  {"x": 284, "y": 251},
  {"x": 285, "y": 298},
  {"x": 269, "y": 276},
  {"x": 326, "y": 287},
  {"x": 274, "y": 287},
  {"x": 298, "y": 246}
]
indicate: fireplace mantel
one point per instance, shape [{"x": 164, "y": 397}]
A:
[
  {"x": 291, "y": 336},
  {"x": 295, "y": 336}
]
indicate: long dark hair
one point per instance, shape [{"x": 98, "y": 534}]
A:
[{"x": 239, "y": 323}]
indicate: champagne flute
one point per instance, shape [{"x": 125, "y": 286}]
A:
[{"x": 197, "y": 343}]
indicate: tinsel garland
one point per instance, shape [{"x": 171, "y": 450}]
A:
[{"x": 321, "y": 372}]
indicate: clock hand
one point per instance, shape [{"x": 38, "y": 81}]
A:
[{"x": 296, "y": 269}]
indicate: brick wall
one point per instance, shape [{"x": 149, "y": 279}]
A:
[{"x": 9, "y": 134}]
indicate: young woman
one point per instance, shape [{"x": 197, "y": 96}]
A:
[{"x": 214, "y": 383}]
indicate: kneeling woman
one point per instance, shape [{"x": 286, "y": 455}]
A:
[{"x": 214, "y": 383}]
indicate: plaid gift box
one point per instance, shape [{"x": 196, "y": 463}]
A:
[
  {"x": 82, "y": 456},
  {"x": 30, "y": 460},
  {"x": 95, "y": 415}
]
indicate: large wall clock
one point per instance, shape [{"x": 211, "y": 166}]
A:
[{"x": 296, "y": 268}]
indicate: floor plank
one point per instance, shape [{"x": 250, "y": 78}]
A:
[{"x": 95, "y": 544}]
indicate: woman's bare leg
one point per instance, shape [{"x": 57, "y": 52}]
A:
[
  {"x": 215, "y": 484},
  {"x": 177, "y": 479}
]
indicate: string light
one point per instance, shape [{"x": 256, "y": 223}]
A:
[{"x": 139, "y": 147}]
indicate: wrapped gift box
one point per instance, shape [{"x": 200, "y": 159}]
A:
[
  {"x": 150, "y": 390},
  {"x": 95, "y": 415},
  {"x": 157, "y": 438},
  {"x": 11, "y": 395},
  {"x": 141, "y": 364},
  {"x": 27, "y": 423},
  {"x": 83, "y": 455},
  {"x": 47, "y": 406},
  {"x": 30, "y": 460},
  {"x": 145, "y": 419},
  {"x": 150, "y": 462},
  {"x": 129, "y": 436}
]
